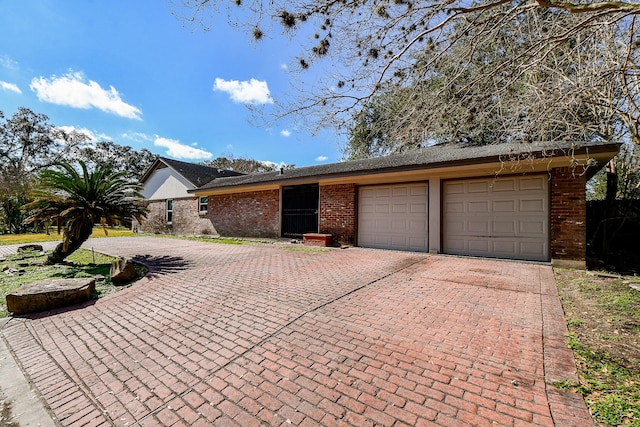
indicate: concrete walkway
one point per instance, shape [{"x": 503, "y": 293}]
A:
[{"x": 266, "y": 335}]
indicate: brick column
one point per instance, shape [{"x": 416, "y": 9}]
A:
[
  {"x": 568, "y": 217},
  {"x": 338, "y": 212}
]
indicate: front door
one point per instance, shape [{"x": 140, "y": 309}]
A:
[{"x": 300, "y": 210}]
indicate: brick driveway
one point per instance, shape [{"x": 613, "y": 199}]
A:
[{"x": 262, "y": 335}]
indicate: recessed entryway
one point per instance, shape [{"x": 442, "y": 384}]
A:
[{"x": 300, "y": 210}]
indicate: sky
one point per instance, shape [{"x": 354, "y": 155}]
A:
[{"x": 133, "y": 73}]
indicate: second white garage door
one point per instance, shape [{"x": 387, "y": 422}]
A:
[
  {"x": 505, "y": 217},
  {"x": 393, "y": 216}
]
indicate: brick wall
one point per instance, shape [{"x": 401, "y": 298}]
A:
[
  {"x": 254, "y": 214},
  {"x": 186, "y": 219},
  {"x": 568, "y": 215},
  {"x": 338, "y": 212}
]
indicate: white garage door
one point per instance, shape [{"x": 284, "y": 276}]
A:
[
  {"x": 506, "y": 217},
  {"x": 393, "y": 216}
]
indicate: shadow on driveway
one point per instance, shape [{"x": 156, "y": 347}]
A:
[{"x": 164, "y": 264}]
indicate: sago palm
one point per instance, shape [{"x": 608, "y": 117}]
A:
[{"x": 75, "y": 199}]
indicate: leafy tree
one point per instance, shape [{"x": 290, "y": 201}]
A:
[
  {"x": 626, "y": 166},
  {"x": 574, "y": 91},
  {"x": 120, "y": 158},
  {"x": 244, "y": 165},
  {"x": 371, "y": 47},
  {"x": 76, "y": 199},
  {"x": 28, "y": 144}
]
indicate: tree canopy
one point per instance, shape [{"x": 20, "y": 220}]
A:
[
  {"x": 574, "y": 91},
  {"x": 243, "y": 164},
  {"x": 576, "y": 62},
  {"x": 28, "y": 144},
  {"x": 121, "y": 158}
]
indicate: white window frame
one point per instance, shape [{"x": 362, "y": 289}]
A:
[
  {"x": 169, "y": 211},
  {"x": 202, "y": 205}
]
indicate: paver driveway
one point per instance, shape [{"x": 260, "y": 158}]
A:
[{"x": 265, "y": 335}]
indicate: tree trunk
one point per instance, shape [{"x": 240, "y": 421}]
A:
[{"x": 59, "y": 254}]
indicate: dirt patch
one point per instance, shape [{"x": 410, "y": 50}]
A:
[
  {"x": 603, "y": 316},
  {"x": 603, "y": 313}
]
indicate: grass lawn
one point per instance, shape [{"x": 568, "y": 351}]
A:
[
  {"x": 13, "y": 239},
  {"x": 603, "y": 316},
  {"x": 19, "y": 269}
]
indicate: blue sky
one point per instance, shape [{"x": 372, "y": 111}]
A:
[{"x": 133, "y": 73}]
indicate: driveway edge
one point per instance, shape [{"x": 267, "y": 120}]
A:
[
  {"x": 559, "y": 363},
  {"x": 26, "y": 405}
]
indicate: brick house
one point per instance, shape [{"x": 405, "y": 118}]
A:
[
  {"x": 172, "y": 209},
  {"x": 517, "y": 201}
]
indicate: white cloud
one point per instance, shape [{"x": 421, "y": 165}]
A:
[
  {"x": 245, "y": 92},
  {"x": 8, "y": 63},
  {"x": 179, "y": 150},
  {"x": 93, "y": 136},
  {"x": 321, "y": 158},
  {"x": 284, "y": 66},
  {"x": 286, "y": 133},
  {"x": 137, "y": 136},
  {"x": 273, "y": 164},
  {"x": 10, "y": 87},
  {"x": 73, "y": 90}
]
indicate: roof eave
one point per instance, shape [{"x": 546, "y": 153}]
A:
[{"x": 608, "y": 151}]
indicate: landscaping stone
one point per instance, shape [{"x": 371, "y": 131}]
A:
[
  {"x": 123, "y": 270},
  {"x": 50, "y": 294},
  {"x": 32, "y": 247}
]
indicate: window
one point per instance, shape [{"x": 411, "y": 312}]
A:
[
  {"x": 169, "y": 211},
  {"x": 203, "y": 204}
]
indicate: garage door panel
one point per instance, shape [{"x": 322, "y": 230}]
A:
[
  {"x": 532, "y": 248},
  {"x": 478, "y": 207},
  {"x": 476, "y": 227},
  {"x": 418, "y": 227},
  {"x": 399, "y": 208},
  {"x": 399, "y": 191},
  {"x": 456, "y": 188},
  {"x": 504, "y": 185},
  {"x": 535, "y": 205},
  {"x": 480, "y": 246},
  {"x": 418, "y": 190},
  {"x": 399, "y": 220},
  {"x": 453, "y": 207},
  {"x": 507, "y": 206},
  {"x": 457, "y": 228},
  {"x": 399, "y": 226},
  {"x": 504, "y": 247},
  {"x": 533, "y": 227},
  {"x": 533, "y": 183},
  {"x": 418, "y": 208},
  {"x": 504, "y": 227},
  {"x": 510, "y": 219},
  {"x": 478, "y": 187}
]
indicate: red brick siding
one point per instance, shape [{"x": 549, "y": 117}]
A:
[
  {"x": 186, "y": 219},
  {"x": 568, "y": 215},
  {"x": 338, "y": 211},
  {"x": 254, "y": 214}
]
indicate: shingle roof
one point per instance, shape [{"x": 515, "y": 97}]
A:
[
  {"x": 197, "y": 175},
  {"x": 426, "y": 158}
]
